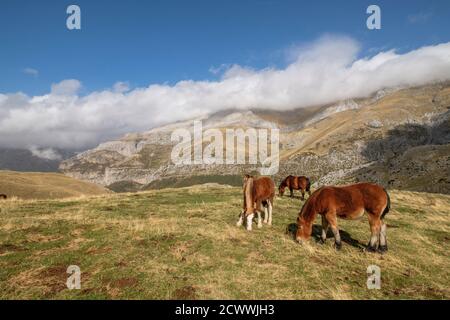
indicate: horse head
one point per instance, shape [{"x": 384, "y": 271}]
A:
[
  {"x": 304, "y": 222},
  {"x": 281, "y": 188}
]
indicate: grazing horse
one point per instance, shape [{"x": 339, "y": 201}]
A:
[
  {"x": 301, "y": 183},
  {"x": 3, "y": 196},
  {"x": 348, "y": 202},
  {"x": 258, "y": 193}
]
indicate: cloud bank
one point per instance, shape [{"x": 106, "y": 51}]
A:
[{"x": 322, "y": 72}]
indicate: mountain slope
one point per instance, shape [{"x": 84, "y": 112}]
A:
[
  {"x": 370, "y": 139},
  {"x": 32, "y": 185},
  {"x": 24, "y": 160}
]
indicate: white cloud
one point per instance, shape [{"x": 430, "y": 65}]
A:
[
  {"x": 322, "y": 72},
  {"x": 217, "y": 70},
  {"x": 31, "y": 72},
  {"x": 121, "y": 87},
  {"x": 45, "y": 153},
  {"x": 66, "y": 87}
]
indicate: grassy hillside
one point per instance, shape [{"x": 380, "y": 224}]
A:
[
  {"x": 45, "y": 186},
  {"x": 175, "y": 244},
  {"x": 180, "y": 182}
]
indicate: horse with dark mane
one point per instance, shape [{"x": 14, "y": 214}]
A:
[
  {"x": 301, "y": 183},
  {"x": 3, "y": 196},
  {"x": 347, "y": 202},
  {"x": 258, "y": 193}
]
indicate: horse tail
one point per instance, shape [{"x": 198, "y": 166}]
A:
[{"x": 388, "y": 205}]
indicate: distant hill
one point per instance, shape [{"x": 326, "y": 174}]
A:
[
  {"x": 398, "y": 137},
  {"x": 24, "y": 160},
  {"x": 29, "y": 185}
]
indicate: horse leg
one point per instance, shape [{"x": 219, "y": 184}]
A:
[
  {"x": 375, "y": 228},
  {"x": 292, "y": 192},
  {"x": 266, "y": 214},
  {"x": 249, "y": 222},
  {"x": 258, "y": 212},
  {"x": 269, "y": 203},
  {"x": 325, "y": 226},
  {"x": 383, "y": 241},
  {"x": 241, "y": 219},
  {"x": 303, "y": 195},
  {"x": 332, "y": 220}
]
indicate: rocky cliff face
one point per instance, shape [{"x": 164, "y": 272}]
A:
[{"x": 398, "y": 137}]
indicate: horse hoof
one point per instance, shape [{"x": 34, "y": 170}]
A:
[
  {"x": 321, "y": 241},
  {"x": 371, "y": 249},
  {"x": 383, "y": 249},
  {"x": 260, "y": 226},
  {"x": 338, "y": 246}
]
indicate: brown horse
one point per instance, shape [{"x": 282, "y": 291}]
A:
[
  {"x": 348, "y": 202},
  {"x": 258, "y": 193},
  {"x": 3, "y": 196},
  {"x": 301, "y": 183}
]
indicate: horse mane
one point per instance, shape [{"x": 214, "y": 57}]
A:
[
  {"x": 248, "y": 192},
  {"x": 308, "y": 208}
]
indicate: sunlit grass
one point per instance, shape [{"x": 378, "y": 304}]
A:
[{"x": 183, "y": 243}]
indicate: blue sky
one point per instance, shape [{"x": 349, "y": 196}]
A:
[{"x": 148, "y": 42}]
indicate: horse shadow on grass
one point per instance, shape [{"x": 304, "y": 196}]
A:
[{"x": 291, "y": 229}]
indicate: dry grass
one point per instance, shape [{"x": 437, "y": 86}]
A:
[
  {"x": 34, "y": 185},
  {"x": 183, "y": 244}
]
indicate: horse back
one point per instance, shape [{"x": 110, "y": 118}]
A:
[
  {"x": 263, "y": 188},
  {"x": 341, "y": 200},
  {"x": 303, "y": 183},
  {"x": 351, "y": 201},
  {"x": 376, "y": 198},
  {"x": 298, "y": 183}
]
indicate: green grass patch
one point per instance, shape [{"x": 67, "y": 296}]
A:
[{"x": 183, "y": 244}]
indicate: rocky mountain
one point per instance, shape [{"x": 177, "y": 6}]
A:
[{"x": 399, "y": 137}]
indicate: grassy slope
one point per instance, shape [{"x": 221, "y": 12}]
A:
[
  {"x": 184, "y": 244},
  {"x": 29, "y": 185}
]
